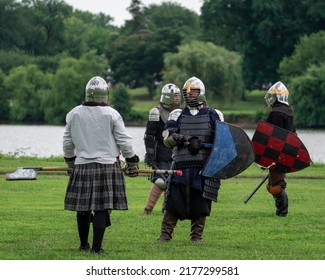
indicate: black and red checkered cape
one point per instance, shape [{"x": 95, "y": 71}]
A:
[{"x": 279, "y": 149}]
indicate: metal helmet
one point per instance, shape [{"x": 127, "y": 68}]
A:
[
  {"x": 97, "y": 90},
  {"x": 277, "y": 92},
  {"x": 168, "y": 93},
  {"x": 194, "y": 84}
]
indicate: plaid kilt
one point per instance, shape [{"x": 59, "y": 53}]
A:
[{"x": 95, "y": 186}]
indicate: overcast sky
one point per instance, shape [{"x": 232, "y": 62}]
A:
[{"x": 117, "y": 9}]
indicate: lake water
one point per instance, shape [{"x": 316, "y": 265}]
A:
[{"x": 45, "y": 140}]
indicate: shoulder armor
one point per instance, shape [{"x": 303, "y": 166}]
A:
[
  {"x": 154, "y": 115},
  {"x": 174, "y": 115},
  {"x": 220, "y": 115}
]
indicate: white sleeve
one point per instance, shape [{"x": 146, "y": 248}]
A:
[
  {"x": 68, "y": 145},
  {"x": 123, "y": 139}
]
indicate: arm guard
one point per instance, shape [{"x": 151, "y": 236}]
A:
[
  {"x": 150, "y": 146},
  {"x": 150, "y": 137}
]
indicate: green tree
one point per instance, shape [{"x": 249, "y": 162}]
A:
[
  {"x": 67, "y": 85},
  {"x": 218, "y": 68},
  {"x": 91, "y": 30},
  {"x": 263, "y": 31},
  {"x": 139, "y": 63},
  {"x": 65, "y": 93},
  {"x": 305, "y": 72},
  {"x": 75, "y": 36},
  {"x": 48, "y": 16},
  {"x": 25, "y": 86},
  {"x": 174, "y": 17},
  {"x": 11, "y": 58},
  {"x": 308, "y": 96},
  {"x": 310, "y": 50},
  {"x": 13, "y": 24},
  {"x": 4, "y": 105},
  {"x": 99, "y": 20},
  {"x": 138, "y": 23},
  {"x": 120, "y": 100}
]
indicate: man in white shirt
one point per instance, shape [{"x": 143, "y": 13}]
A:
[{"x": 94, "y": 138}]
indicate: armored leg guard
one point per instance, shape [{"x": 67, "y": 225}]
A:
[
  {"x": 281, "y": 204},
  {"x": 277, "y": 185},
  {"x": 197, "y": 227},
  {"x": 83, "y": 222},
  {"x": 152, "y": 199},
  {"x": 274, "y": 190},
  {"x": 167, "y": 227},
  {"x": 211, "y": 188}
]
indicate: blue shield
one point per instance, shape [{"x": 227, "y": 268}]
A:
[{"x": 231, "y": 154}]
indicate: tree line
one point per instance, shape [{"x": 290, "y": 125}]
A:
[{"x": 48, "y": 52}]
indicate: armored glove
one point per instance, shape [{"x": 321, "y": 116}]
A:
[
  {"x": 131, "y": 164},
  {"x": 150, "y": 159},
  {"x": 179, "y": 138},
  {"x": 193, "y": 144}
]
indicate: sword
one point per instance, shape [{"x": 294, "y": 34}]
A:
[
  {"x": 259, "y": 185},
  {"x": 256, "y": 188}
]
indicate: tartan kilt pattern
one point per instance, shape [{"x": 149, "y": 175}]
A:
[{"x": 95, "y": 186}]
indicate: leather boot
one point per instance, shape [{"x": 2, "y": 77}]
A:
[
  {"x": 281, "y": 204},
  {"x": 197, "y": 227},
  {"x": 152, "y": 199},
  {"x": 167, "y": 227}
]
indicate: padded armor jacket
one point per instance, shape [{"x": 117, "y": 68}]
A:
[
  {"x": 208, "y": 116},
  {"x": 201, "y": 125},
  {"x": 281, "y": 115},
  {"x": 155, "y": 127}
]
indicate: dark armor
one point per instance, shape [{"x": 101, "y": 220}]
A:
[{"x": 188, "y": 126}]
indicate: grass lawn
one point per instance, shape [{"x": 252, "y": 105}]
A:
[{"x": 34, "y": 225}]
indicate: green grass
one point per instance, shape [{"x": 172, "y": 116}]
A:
[
  {"x": 141, "y": 103},
  {"x": 34, "y": 225}
]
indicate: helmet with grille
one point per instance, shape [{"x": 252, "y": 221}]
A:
[
  {"x": 194, "y": 84},
  {"x": 170, "y": 96}
]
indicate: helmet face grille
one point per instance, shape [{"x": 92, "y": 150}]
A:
[
  {"x": 167, "y": 95},
  {"x": 191, "y": 102},
  {"x": 194, "y": 84}
]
